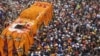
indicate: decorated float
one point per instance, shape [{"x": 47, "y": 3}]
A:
[{"x": 18, "y": 37}]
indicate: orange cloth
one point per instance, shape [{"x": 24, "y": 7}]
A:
[{"x": 1, "y": 46}]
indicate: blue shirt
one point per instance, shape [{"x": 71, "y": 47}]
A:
[{"x": 1, "y": 14}]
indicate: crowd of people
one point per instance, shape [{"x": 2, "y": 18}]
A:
[{"x": 74, "y": 30}]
